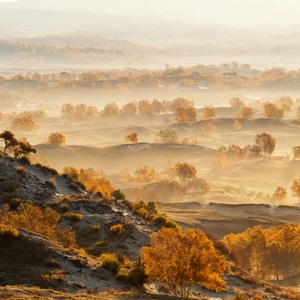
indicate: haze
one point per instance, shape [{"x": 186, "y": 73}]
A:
[{"x": 230, "y": 12}]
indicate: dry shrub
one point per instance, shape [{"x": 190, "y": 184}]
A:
[{"x": 57, "y": 138}]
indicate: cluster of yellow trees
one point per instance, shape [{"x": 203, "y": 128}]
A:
[
  {"x": 32, "y": 217},
  {"x": 268, "y": 253}
]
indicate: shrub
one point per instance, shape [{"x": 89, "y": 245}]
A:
[
  {"x": 52, "y": 182},
  {"x": 25, "y": 160},
  {"x": 74, "y": 217},
  {"x": 116, "y": 229},
  {"x": 52, "y": 263},
  {"x": 8, "y": 232},
  {"x": 20, "y": 170},
  {"x": 9, "y": 186},
  {"x": 102, "y": 243},
  {"x": 64, "y": 207},
  {"x": 110, "y": 262},
  {"x": 118, "y": 195},
  {"x": 95, "y": 228},
  {"x": 137, "y": 276}
]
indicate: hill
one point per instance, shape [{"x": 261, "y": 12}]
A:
[{"x": 36, "y": 262}]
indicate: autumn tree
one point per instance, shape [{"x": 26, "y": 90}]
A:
[
  {"x": 111, "y": 110},
  {"x": 247, "y": 112},
  {"x": 25, "y": 123},
  {"x": 185, "y": 114},
  {"x": 209, "y": 113},
  {"x": 272, "y": 111},
  {"x": 236, "y": 125},
  {"x": 185, "y": 171},
  {"x": 279, "y": 195},
  {"x": 296, "y": 188},
  {"x": 236, "y": 102},
  {"x": 145, "y": 174},
  {"x": 131, "y": 137},
  {"x": 266, "y": 143},
  {"x": 128, "y": 109},
  {"x": 296, "y": 152},
  {"x": 181, "y": 259},
  {"x": 57, "y": 138},
  {"x": 220, "y": 159},
  {"x": 168, "y": 136}
]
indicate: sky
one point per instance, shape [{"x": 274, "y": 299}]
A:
[{"x": 227, "y": 12}]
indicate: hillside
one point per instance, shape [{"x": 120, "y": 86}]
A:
[{"x": 36, "y": 262}]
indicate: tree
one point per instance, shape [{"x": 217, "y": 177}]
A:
[
  {"x": 209, "y": 113},
  {"x": 131, "y": 137},
  {"x": 185, "y": 114},
  {"x": 168, "y": 136},
  {"x": 236, "y": 102},
  {"x": 296, "y": 188},
  {"x": 181, "y": 259},
  {"x": 236, "y": 125},
  {"x": 8, "y": 138},
  {"x": 25, "y": 123},
  {"x": 185, "y": 171},
  {"x": 22, "y": 148},
  {"x": 266, "y": 143},
  {"x": 57, "y": 138},
  {"x": 272, "y": 111},
  {"x": 279, "y": 195},
  {"x": 247, "y": 112},
  {"x": 296, "y": 152}
]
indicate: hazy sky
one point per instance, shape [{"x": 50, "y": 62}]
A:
[{"x": 229, "y": 12}]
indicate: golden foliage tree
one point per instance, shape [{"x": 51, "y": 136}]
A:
[
  {"x": 57, "y": 138},
  {"x": 296, "y": 188},
  {"x": 25, "y": 123},
  {"x": 186, "y": 114},
  {"x": 146, "y": 174},
  {"x": 209, "y": 113},
  {"x": 185, "y": 171},
  {"x": 41, "y": 221},
  {"x": 236, "y": 102},
  {"x": 181, "y": 259},
  {"x": 266, "y": 143},
  {"x": 236, "y": 125},
  {"x": 221, "y": 159},
  {"x": 279, "y": 195},
  {"x": 272, "y": 111},
  {"x": 247, "y": 112},
  {"x": 168, "y": 136},
  {"x": 132, "y": 137},
  {"x": 296, "y": 152}
]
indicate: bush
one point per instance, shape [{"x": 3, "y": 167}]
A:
[
  {"x": 102, "y": 243},
  {"x": 110, "y": 262},
  {"x": 116, "y": 229},
  {"x": 52, "y": 263},
  {"x": 95, "y": 228},
  {"x": 118, "y": 195},
  {"x": 64, "y": 207},
  {"x": 9, "y": 186},
  {"x": 137, "y": 276},
  {"x": 74, "y": 217},
  {"x": 20, "y": 170},
  {"x": 25, "y": 160},
  {"x": 8, "y": 233}
]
